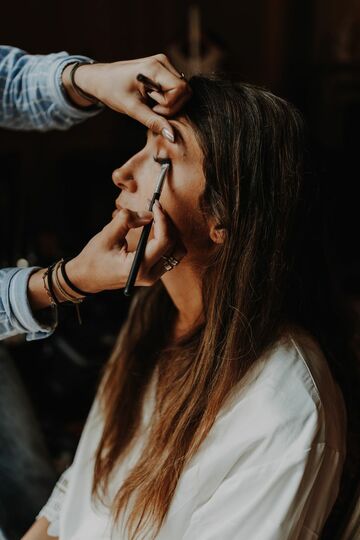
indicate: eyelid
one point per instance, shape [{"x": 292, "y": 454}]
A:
[{"x": 162, "y": 161}]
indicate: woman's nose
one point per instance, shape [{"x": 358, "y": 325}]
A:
[{"x": 123, "y": 178}]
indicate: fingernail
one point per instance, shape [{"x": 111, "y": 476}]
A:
[{"x": 168, "y": 135}]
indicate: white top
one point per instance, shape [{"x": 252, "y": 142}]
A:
[{"x": 269, "y": 468}]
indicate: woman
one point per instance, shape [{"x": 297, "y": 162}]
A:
[{"x": 217, "y": 417}]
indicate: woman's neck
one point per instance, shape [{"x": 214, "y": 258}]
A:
[{"x": 183, "y": 285}]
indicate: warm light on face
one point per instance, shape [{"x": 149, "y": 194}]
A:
[{"x": 183, "y": 186}]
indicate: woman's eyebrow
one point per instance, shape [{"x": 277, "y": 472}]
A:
[{"x": 178, "y": 133}]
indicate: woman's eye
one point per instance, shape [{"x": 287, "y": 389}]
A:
[{"x": 162, "y": 161}]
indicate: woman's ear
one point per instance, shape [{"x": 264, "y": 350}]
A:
[{"x": 217, "y": 233}]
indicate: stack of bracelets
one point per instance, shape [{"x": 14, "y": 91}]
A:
[{"x": 54, "y": 288}]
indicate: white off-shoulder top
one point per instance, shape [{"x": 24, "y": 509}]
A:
[{"x": 269, "y": 469}]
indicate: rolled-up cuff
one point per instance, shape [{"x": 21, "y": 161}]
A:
[
  {"x": 21, "y": 310},
  {"x": 58, "y": 93}
]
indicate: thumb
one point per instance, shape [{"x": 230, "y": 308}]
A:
[
  {"x": 155, "y": 122},
  {"x": 116, "y": 231}
]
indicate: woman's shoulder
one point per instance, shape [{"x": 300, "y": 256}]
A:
[
  {"x": 289, "y": 400},
  {"x": 299, "y": 373}
]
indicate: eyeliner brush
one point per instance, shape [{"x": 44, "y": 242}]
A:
[{"x": 140, "y": 250}]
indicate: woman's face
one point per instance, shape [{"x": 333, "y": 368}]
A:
[{"x": 184, "y": 184}]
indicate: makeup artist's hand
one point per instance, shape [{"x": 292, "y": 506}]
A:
[
  {"x": 117, "y": 85},
  {"x": 105, "y": 261}
]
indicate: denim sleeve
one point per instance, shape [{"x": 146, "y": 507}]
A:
[
  {"x": 31, "y": 93},
  {"x": 16, "y": 316}
]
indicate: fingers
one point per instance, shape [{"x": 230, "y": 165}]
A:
[
  {"x": 116, "y": 231},
  {"x": 165, "y": 76},
  {"x": 154, "y": 121},
  {"x": 163, "y": 239},
  {"x": 154, "y": 75},
  {"x": 164, "y": 84},
  {"x": 148, "y": 83},
  {"x": 170, "y": 110},
  {"x": 126, "y": 86},
  {"x": 159, "y": 269},
  {"x": 169, "y": 102},
  {"x": 165, "y": 242},
  {"x": 171, "y": 97},
  {"x": 105, "y": 262},
  {"x": 163, "y": 59}
]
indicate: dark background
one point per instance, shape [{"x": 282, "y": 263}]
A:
[{"x": 56, "y": 188}]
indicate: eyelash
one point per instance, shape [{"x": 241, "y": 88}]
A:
[{"x": 162, "y": 161}]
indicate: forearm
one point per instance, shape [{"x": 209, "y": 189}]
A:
[
  {"x": 31, "y": 93},
  {"x": 38, "y": 531}
]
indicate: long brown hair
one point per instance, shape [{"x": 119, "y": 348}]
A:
[{"x": 252, "y": 142}]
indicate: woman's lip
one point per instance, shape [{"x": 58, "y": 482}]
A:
[{"x": 116, "y": 210}]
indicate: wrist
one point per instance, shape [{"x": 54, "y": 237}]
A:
[
  {"x": 75, "y": 96},
  {"x": 65, "y": 293},
  {"x": 57, "y": 289},
  {"x": 37, "y": 295},
  {"x": 79, "y": 277}
]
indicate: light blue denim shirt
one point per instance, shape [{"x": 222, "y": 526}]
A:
[
  {"x": 16, "y": 316},
  {"x": 31, "y": 94},
  {"x": 31, "y": 97}
]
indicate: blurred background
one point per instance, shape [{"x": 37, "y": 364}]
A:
[{"x": 56, "y": 188}]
